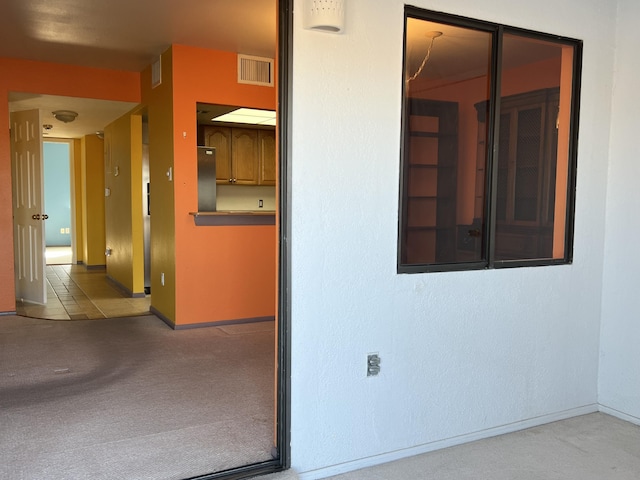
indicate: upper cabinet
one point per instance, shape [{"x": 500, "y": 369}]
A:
[
  {"x": 220, "y": 139},
  {"x": 244, "y": 156},
  {"x": 267, "y": 157}
]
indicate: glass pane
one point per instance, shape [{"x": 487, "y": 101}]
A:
[
  {"x": 445, "y": 143},
  {"x": 536, "y": 86}
]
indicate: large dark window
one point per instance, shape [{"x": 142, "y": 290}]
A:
[{"x": 489, "y": 145}]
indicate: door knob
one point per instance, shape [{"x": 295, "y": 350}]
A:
[{"x": 36, "y": 216}]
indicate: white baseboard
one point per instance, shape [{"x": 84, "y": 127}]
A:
[
  {"x": 622, "y": 416},
  {"x": 449, "y": 442}
]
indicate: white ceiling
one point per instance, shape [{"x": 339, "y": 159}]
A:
[
  {"x": 123, "y": 35},
  {"x": 93, "y": 115}
]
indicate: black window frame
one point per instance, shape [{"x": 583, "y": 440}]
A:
[{"x": 488, "y": 231}]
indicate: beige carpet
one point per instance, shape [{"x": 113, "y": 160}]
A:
[
  {"x": 589, "y": 447},
  {"x": 130, "y": 398}
]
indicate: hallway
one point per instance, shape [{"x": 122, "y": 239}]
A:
[{"x": 75, "y": 293}]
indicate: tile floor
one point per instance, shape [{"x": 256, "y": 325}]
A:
[{"x": 75, "y": 293}]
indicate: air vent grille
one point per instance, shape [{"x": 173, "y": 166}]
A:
[
  {"x": 255, "y": 70},
  {"x": 156, "y": 73}
]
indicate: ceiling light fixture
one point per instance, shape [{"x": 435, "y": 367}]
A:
[
  {"x": 432, "y": 35},
  {"x": 248, "y": 115},
  {"x": 65, "y": 116}
]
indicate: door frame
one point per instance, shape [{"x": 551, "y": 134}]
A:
[
  {"x": 72, "y": 190},
  {"x": 72, "y": 197},
  {"x": 285, "y": 74},
  {"x": 282, "y": 450}
]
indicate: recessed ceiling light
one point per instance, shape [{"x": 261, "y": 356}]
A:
[{"x": 249, "y": 116}]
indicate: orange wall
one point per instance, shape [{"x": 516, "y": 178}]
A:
[
  {"x": 562, "y": 168},
  {"x": 52, "y": 79},
  {"x": 222, "y": 273}
]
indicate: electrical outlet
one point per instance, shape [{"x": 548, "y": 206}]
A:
[
  {"x": 373, "y": 364},
  {"x": 260, "y": 203}
]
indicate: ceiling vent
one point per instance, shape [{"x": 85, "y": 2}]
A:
[{"x": 255, "y": 70}]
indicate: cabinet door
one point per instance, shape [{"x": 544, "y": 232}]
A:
[
  {"x": 220, "y": 139},
  {"x": 267, "y": 147},
  {"x": 244, "y": 156}
]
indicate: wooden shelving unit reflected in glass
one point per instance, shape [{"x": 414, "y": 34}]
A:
[{"x": 431, "y": 157}]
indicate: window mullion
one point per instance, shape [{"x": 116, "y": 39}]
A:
[{"x": 492, "y": 150}]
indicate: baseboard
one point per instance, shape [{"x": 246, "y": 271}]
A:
[
  {"x": 95, "y": 267},
  {"x": 449, "y": 442},
  {"x": 2, "y": 314},
  {"x": 222, "y": 323},
  {"x": 618, "y": 414}
]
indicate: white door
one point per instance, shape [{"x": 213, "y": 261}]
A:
[{"x": 28, "y": 214}]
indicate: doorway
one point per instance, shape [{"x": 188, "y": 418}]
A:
[
  {"x": 282, "y": 352},
  {"x": 73, "y": 291},
  {"x": 58, "y": 201}
]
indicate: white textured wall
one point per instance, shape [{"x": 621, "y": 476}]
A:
[
  {"x": 620, "y": 344},
  {"x": 461, "y": 352}
]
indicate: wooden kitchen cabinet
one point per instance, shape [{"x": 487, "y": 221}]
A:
[
  {"x": 244, "y": 156},
  {"x": 267, "y": 157},
  {"x": 220, "y": 139}
]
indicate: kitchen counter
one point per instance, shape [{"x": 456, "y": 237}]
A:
[{"x": 234, "y": 217}]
